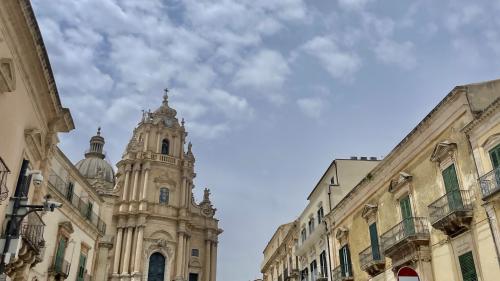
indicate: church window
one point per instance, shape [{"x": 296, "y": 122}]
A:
[
  {"x": 165, "y": 147},
  {"x": 164, "y": 194},
  {"x": 195, "y": 252}
]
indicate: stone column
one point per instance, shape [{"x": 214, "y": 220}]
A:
[
  {"x": 138, "y": 249},
  {"x": 102, "y": 258},
  {"x": 128, "y": 168},
  {"x": 213, "y": 262},
  {"x": 146, "y": 169},
  {"x": 126, "y": 255},
  {"x": 146, "y": 141},
  {"x": 208, "y": 246},
  {"x": 187, "y": 254},
  {"x": 158, "y": 142},
  {"x": 135, "y": 187},
  {"x": 118, "y": 249},
  {"x": 180, "y": 254}
]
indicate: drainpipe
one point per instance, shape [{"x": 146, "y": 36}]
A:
[{"x": 329, "y": 263}]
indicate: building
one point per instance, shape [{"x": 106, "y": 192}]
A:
[
  {"x": 421, "y": 211},
  {"x": 300, "y": 250},
  {"x": 280, "y": 262},
  {"x": 31, "y": 116},
  {"x": 161, "y": 232},
  {"x": 313, "y": 245}
]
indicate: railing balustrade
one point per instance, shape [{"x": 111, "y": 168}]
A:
[
  {"x": 367, "y": 258},
  {"x": 453, "y": 201},
  {"x": 32, "y": 232},
  {"x": 413, "y": 227},
  {"x": 60, "y": 267},
  {"x": 83, "y": 207},
  {"x": 490, "y": 183}
]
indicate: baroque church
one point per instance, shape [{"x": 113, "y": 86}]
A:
[{"x": 155, "y": 229}]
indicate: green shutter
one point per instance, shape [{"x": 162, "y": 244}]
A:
[
  {"x": 341, "y": 258},
  {"x": 407, "y": 215},
  {"x": 60, "y": 253},
  {"x": 349, "y": 264},
  {"x": 374, "y": 241},
  {"x": 495, "y": 156},
  {"x": 81, "y": 267},
  {"x": 450, "y": 179},
  {"x": 467, "y": 267}
]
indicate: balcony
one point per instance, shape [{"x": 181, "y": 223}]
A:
[
  {"x": 62, "y": 188},
  {"x": 407, "y": 241},
  {"x": 370, "y": 263},
  {"x": 32, "y": 233},
  {"x": 490, "y": 183},
  {"x": 452, "y": 213},
  {"x": 59, "y": 268},
  {"x": 310, "y": 240},
  {"x": 338, "y": 276},
  {"x": 322, "y": 276}
]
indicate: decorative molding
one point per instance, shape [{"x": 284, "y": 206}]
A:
[
  {"x": 402, "y": 180},
  {"x": 7, "y": 75},
  {"x": 369, "y": 213},
  {"x": 342, "y": 235},
  {"x": 443, "y": 150}
]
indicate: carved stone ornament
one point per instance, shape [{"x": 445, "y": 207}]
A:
[
  {"x": 206, "y": 206},
  {"x": 401, "y": 180},
  {"x": 7, "y": 75},
  {"x": 341, "y": 235},
  {"x": 443, "y": 150},
  {"x": 369, "y": 212}
]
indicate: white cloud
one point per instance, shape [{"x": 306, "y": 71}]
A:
[
  {"x": 462, "y": 15},
  {"x": 340, "y": 64},
  {"x": 265, "y": 71},
  {"x": 395, "y": 53},
  {"x": 311, "y": 107},
  {"x": 207, "y": 131},
  {"x": 353, "y": 4}
]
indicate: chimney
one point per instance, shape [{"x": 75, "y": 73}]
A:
[
  {"x": 363, "y": 158},
  {"x": 354, "y": 158},
  {"x": 373, "y": 158}
]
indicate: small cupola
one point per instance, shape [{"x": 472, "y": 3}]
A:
[{"x": 96, "y": 146}]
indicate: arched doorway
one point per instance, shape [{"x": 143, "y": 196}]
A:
[
  {"x": 156, "y": 270},
  {"x": 407, "y": 274}
]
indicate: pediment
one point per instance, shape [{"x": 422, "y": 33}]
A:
[
  {"x": 66, "y": 227},
  {"x": 7, "y": 75},
  {"x": 369, "y": 211},
  {"x": 402, "y": 179},
  {"x": 443, "y": 150},
  {"x": 491, "y": 142},
  {"x": 341, "y": 233}
]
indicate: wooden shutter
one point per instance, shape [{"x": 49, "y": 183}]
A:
[
  {"x": 60, "y": 253},
  {"x": 405, "y": 207},
  {"x": 467, "y": 267},
  {"x": 81, "y": 266},
  {"x": 342, "y": 263},
  {"x": 450, "y": 178},
  {"x": 374, "y": 241},
  {"x": 495, "y": 156}
]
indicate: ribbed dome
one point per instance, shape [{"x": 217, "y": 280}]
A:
[{"x": 94, "y": 166}]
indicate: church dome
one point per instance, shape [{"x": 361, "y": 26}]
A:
[{"x": 94, "y": 167}]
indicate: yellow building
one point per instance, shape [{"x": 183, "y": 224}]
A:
[
  {"x": 280, "y": 262},
  {"x": 420, "y": 211}
]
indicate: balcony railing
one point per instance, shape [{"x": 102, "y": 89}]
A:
[
  {"x": 4, "y": 171},
  {"x": 490, "y": 183},
  {"x": 32, "y": 232},
  {"x": 83, "y": 208},
  {"x": 60, "y": 268},
  {"x": 409, "y": 229},
  {"x": 338, "y": 276},
  {"x": 372, "y": 263},
  {"x": 452, "y": 213}
]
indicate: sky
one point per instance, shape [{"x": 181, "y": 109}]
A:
[{"x": 272, "y": 90}]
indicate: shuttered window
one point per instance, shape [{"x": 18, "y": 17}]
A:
[
  {"x": 495, "y": 156},
  {"x": 467, "y": 267},
  {"x": 374, "y": 241},
  {"x": 345, "y": 261},
  {"x": 450, "y": 178},
  {"x": 81, "y": 267}
]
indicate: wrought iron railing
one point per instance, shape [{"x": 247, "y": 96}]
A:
[
  {"x": 83, "y": 207},
  {"x": 490, "y": 183},
  {"x": 60, "y": 267},
  {"x": 4, "y": 171},
  {"x": 32, "y": 232},
  {"x": 413, "y": 227},
  {"x": 453, "y": 201},
  {"x": 367, "y": 257}
]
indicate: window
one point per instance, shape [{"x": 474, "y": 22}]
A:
[
  {"x": 345, "y": 261},
  {"x": 374, "y": 241},
  {"x": 89, "y": 210},
  {"x": 495, "y": 157},
  {"x": 61, "y": 250},
  {"x": 69, "y": 192},
  {"x": 164, "y": 194},
  {"x": 320, "y": 215},
  {"x": 314, "y": 270},
  {"x": 303, "y": 234},
  {"x": 82, "y": 263},
  {"x": 193, "y": 276},
  {"x": 195, "y": 252},
  {"x": 311, "y": 225},
  {"x": 406, "y": 215},
  {"x": 467, "y": 267},
  {"x": 304, "y": 275},
  {"x": 165, "y": 147},
  {"x": 323, "y": 264},
  {"x": 452, "y": 188},
  {"x": 23, "y": 181},
  {"x": 4, "y": 171}
]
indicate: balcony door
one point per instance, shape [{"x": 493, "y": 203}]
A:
[
  {"x": 452, "y": 188},
  {"x": 407, "y": 216},
  {"x": 495, "y": 161}
]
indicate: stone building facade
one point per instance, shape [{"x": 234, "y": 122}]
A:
[
  {"x": 280, "y": 262},
  {"x": 161, "y": 232}
]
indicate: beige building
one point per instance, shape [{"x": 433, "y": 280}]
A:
[
  {"x": 280, "y": 262},
  {"x": 421, "y": 211},
  {"x": 31, "y": 115},
  {"x": 161, "y": 232}
]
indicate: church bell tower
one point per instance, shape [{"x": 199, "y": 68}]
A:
[{"x": 162, "y": 234}]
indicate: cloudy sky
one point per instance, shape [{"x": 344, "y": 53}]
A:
[{"x": 271, "y": 90}]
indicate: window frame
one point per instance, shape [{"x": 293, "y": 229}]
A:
[{"x": 161, "y": 199}]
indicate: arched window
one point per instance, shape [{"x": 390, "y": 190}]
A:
[
  {"x": 164, "y": 194},
  {"x": 165, "y": 146},
  {"x": 156, "y": 270}
]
